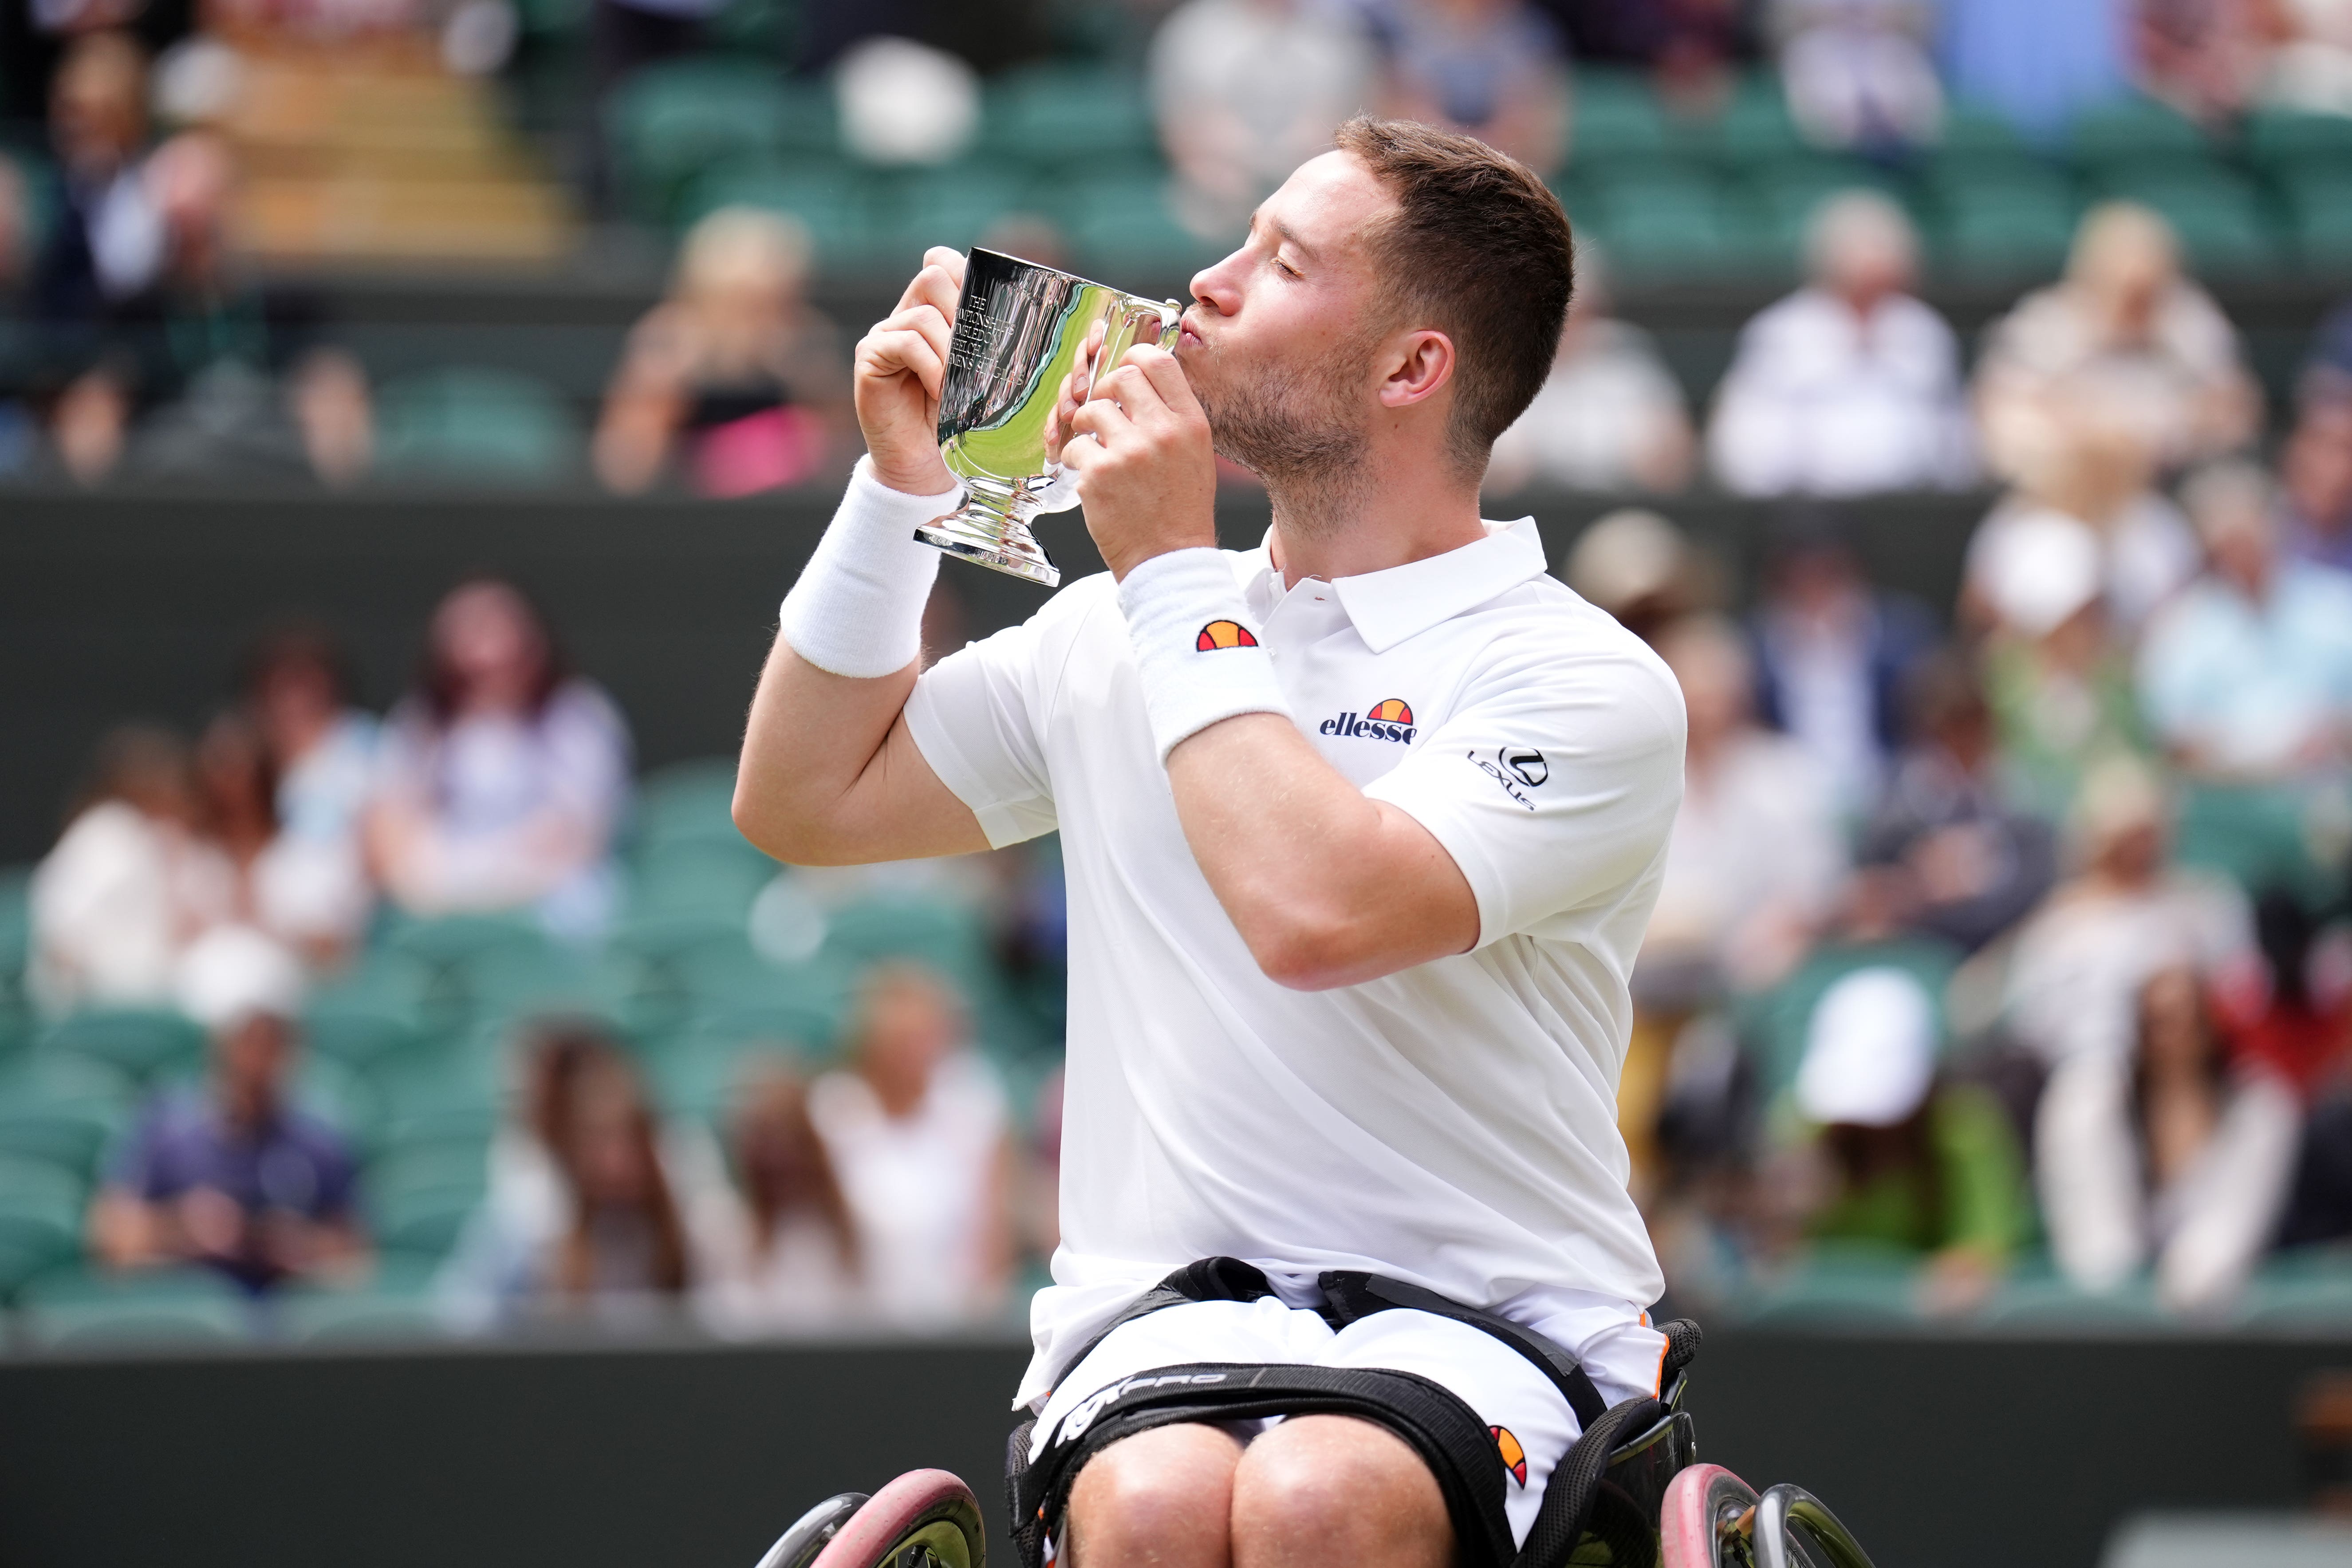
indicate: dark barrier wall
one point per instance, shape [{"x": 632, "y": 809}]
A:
[
  {"x": 113, "y": 607},
  {"x": 1939, "y": 1453}
]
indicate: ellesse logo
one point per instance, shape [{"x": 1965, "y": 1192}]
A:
[
  {"x": 1387, "y": 720},
  {"x": 1223, "y": 634}
]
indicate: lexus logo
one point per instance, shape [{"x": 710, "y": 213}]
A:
[{"x": 1527, "y": 764}]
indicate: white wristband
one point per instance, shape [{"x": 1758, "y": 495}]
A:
[
  {"x": 1196, "y": 651},
  {"x": 857, "y": 609}
]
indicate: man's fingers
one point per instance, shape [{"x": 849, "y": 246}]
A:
[
  {"x": 925, "y": 320},
  {"x": 1101, "y": 419},
  {"x": 939, "y": 283},
  {"x": 889, "y": 350},
  {"x": 1167, "y": 377},
  {"x": 1136, "y": 395}
]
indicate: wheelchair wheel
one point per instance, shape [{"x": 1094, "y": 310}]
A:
[
  {"x": 1708, "y": 1521},
  {"x": 1795, "y": 1529},
  {"x": 925, "y": 1518}
]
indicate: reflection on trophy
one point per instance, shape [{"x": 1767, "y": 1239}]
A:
[{"x": 1020, "y": 329}]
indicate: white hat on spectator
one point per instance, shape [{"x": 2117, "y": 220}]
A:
[
  {"x": 1626, "y": 557},
  {"x": 232, "y": 972},
  {"x": 905, "y": 102},
  {"x": 2042, "y": 568},
  {"x": 1870, "y": 1050}
]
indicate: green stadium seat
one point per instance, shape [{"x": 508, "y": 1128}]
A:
[
  {"x": 417, "y": 1200},
  {"x": 2254, "y": 835},
  {"x": 1614, "y": 115},
  {"x": 141, "y": 1046},
  {"x": 81, "y": 1308},
  {"x": 451, "y": 1094},
  {"x": 475, "y": 425},
  {"x": 698, "y": 1075},
  {"x": 2317, "y": 199},
  {"x": 686, "y": 801},
  {"x": 1756, "y": 127},
  {"x": 1975, "y": 136},
  {"x": 708, "y": 877},
  {"x": 40, "y": 1218},
  {"x": 359, "y": 1318},
  {"x": 2220, "y": 218},
  {"x": 944, "y": 934},
  {"x": 509, "y": 983},
  {"x": 755, "y": 998},
  {"x": 2000, "y": 221},
  {"x": 824, "y": 196},
  {"x": 917, "y": 208},
  {"x": 1673, "y": 222},
  {"x": 2052, "y": 1304},
  {"x": 1067, "y": 115},
  {"x": 2283, "y": 142},
  {"x": 15, "y": 934},
  {"x": 340, "y": 1097},
  {"x": 1122, "y": 226},
  {"x": 2131, "y": 130},
  {"x": 673, "y": 120},
  {"x": 61, "y": 1110},
  {"x": 383, "y": 1008},
  {"x": 1841, "y": 1288},
  {"x": 2301, "y": 1291},
  {"x": 1787, "y": 192},
  {"x": 440, "y": 945}
]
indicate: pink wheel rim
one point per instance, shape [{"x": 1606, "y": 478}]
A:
[
  {"x": 1686, "y": 1523},
  {"x": 906, "y": 1504}
]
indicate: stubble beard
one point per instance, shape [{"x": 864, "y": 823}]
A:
[{"x": 1299, "y": 428}]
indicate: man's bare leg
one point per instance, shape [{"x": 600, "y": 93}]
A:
[
  {"x": 1320, "y": 1489},
  {"x": 1161, "y": 1498}
]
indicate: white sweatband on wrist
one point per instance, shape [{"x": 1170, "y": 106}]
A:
[
  {"x": 857, "y": 609},
  {"x": 1196, "y": 650}
]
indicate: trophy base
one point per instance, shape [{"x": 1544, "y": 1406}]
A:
[{"x": 991, "y": 540}]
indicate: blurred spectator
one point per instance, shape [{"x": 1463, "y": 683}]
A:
[
  {"x": 2123, "y": 341},
  {"x": 194, "y": 358},
  {"x": 917, "y": 1128},
  {"x": 2291, "y": 1014},
  {"x": 1245, "y": 90},
  {"x": 2327, "y": 374},
  {"x": 2078, "y": 964},
  {"x": 322, "y": 751},
  {"x": 2060, "y": 685},
  {"x": 2205, "y": 57},
  {"x": 314, "y": 901},
  {"x": 2247, "y": 676},
  {"x": 1493, "y": 69},
  {"x": 1833, "y": 658},
  {"x": 2316, "y": 484},
  {"x": 1917, "y": 1161},
  {"x": 1968, "y": 866},
  {"x": 18, "y": 432},
  {"x": 904, "y": 102},
  {"x": 2164, "y": 1155},
  {"x": 1756, "y": 853},
  {"x": 2034, "y": 64},
  {"x": 593, "y": 1205},
  {"x": 1638, "y": 567},
  {"x": 234, "y": 1176},
  {"x": 2098, "y": 476},
  {"x": 108, "y": 241},
  {"x": 1850, "y": 384},
  {"x": 132, "y": 882},
  {"x": 1857, "y": 72},
  {"x": 795, "y": 1263},
  {"x": 503, "y": 777},
  {"x": 1610, "y": 416},
  {"x": 735, "y": 381},
  {"x": 2310, "y": 68}
]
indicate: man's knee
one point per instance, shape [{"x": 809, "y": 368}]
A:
[
  {"x": 1161, "y": 1496},
  {"x": 1335, "y": 1488}
]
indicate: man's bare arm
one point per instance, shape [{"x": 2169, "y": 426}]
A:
[
  {"x": 830, "y": 774},
  {"x": 1328, "y": 885}
]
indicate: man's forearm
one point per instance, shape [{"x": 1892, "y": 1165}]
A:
[{"x": 811, "y": 736}]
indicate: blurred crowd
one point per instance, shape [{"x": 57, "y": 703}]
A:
[
  {"x": 2035, "y": 936},
  {"x": 817, "y": 1141}
]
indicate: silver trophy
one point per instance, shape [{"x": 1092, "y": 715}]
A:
[{"x": 1020, "y": 329}]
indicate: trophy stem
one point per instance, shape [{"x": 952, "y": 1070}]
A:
[{"x": 990, "y": 530}]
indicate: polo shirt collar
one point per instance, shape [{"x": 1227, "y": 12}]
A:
[{"x": 1387, "y": 608}]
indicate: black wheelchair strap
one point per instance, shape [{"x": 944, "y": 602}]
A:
[
  {"x": 1444, "y": 1430},
  {"x": 1352, "y": 1296}
]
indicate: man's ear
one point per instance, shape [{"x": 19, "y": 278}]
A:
[{"x": 1418, "y": 365}]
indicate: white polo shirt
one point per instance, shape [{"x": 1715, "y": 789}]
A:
[{"x": 1453, "y": 1124}]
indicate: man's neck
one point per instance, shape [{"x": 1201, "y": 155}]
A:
[{"x": 1393, "y": 514}]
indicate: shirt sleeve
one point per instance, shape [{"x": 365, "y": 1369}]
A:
[
  {"x": 978, "y": 717},
  {"x": 1553, "y": 786}
]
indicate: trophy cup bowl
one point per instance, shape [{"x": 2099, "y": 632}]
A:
[{"x": 1019, "y": 330}]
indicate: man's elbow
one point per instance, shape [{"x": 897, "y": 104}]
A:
[
  {"x": 1301, "y": 952},
  {"x": 778, "y": 828}
]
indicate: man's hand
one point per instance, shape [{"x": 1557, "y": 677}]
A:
[
  {"x": 1139, "y": 447},
  {"x": 901, "y": 365}
]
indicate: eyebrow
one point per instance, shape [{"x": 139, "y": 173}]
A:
[{"x": 1284, "y": 232}]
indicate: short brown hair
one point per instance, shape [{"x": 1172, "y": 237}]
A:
[{"x": 1480, "y": 248}]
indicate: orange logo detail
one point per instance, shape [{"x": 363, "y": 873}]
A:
[
  {"x": 1395, "y": 710},
  {"x": 1223, "y": 634},
  {"x": 1514, "y": 1458}
]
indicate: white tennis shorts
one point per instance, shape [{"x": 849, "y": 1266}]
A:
[{"x": 1531, "y": 1422}]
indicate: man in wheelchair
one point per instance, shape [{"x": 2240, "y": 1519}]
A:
[{"x": 1362, "y": 829}]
